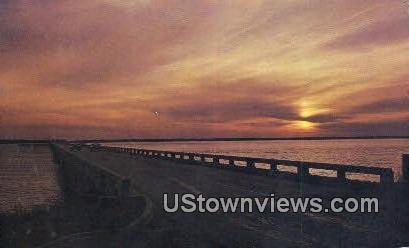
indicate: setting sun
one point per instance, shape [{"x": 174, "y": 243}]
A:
[{"x": 306, "y": 125}]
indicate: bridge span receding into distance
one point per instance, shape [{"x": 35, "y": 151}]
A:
[{"x": 151, "y": 174}]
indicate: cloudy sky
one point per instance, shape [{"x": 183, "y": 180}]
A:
[{"x": 178, "y": 68}]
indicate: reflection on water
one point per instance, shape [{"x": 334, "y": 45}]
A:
[
  {"x": 28, "y": 177},
  {"x": 376, "y": 152}
]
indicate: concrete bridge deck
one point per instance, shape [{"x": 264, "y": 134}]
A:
[{"x": 153, "y": 178}]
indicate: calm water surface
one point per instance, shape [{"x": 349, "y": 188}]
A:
[
  {"x": 378, "y": 152},
  {"x": 28, "y": 178}
]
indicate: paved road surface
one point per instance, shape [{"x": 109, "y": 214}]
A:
[{"x": 153, "y": 178}]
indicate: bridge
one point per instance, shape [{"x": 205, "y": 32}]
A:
[{"x": 151, "y": 173}]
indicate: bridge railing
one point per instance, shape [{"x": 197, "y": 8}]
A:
[{"x": 262, "y": 165}]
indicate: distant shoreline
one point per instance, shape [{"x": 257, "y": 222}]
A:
[
  {"x": 14, "y": 141},
  {"x": 243, "y": 139}
]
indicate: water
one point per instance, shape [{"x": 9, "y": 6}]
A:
[
  {"x": 28, "y": 178},
  {"x": 372, "y": 152}
]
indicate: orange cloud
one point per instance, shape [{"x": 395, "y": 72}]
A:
[{"x": 155, "y": 68}]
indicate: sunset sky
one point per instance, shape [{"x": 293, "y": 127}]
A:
[{"x": 180, "y": 69}]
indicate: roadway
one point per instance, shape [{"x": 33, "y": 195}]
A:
[{"x": 153, "y": 178}]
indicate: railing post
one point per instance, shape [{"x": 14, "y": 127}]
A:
[
  {"x": 341, "y": 175},
  {"x": 273, "y": 168},
  {"x": 386, "y": 177},
  {"x": 405, "y": 167},
  {"x": 250, "y": 164},
  {"x": 303, "y": 170},
  {"x": 216, "y": 160}
]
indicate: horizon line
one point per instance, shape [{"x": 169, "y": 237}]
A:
[{"x": 202, "y": 139}]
